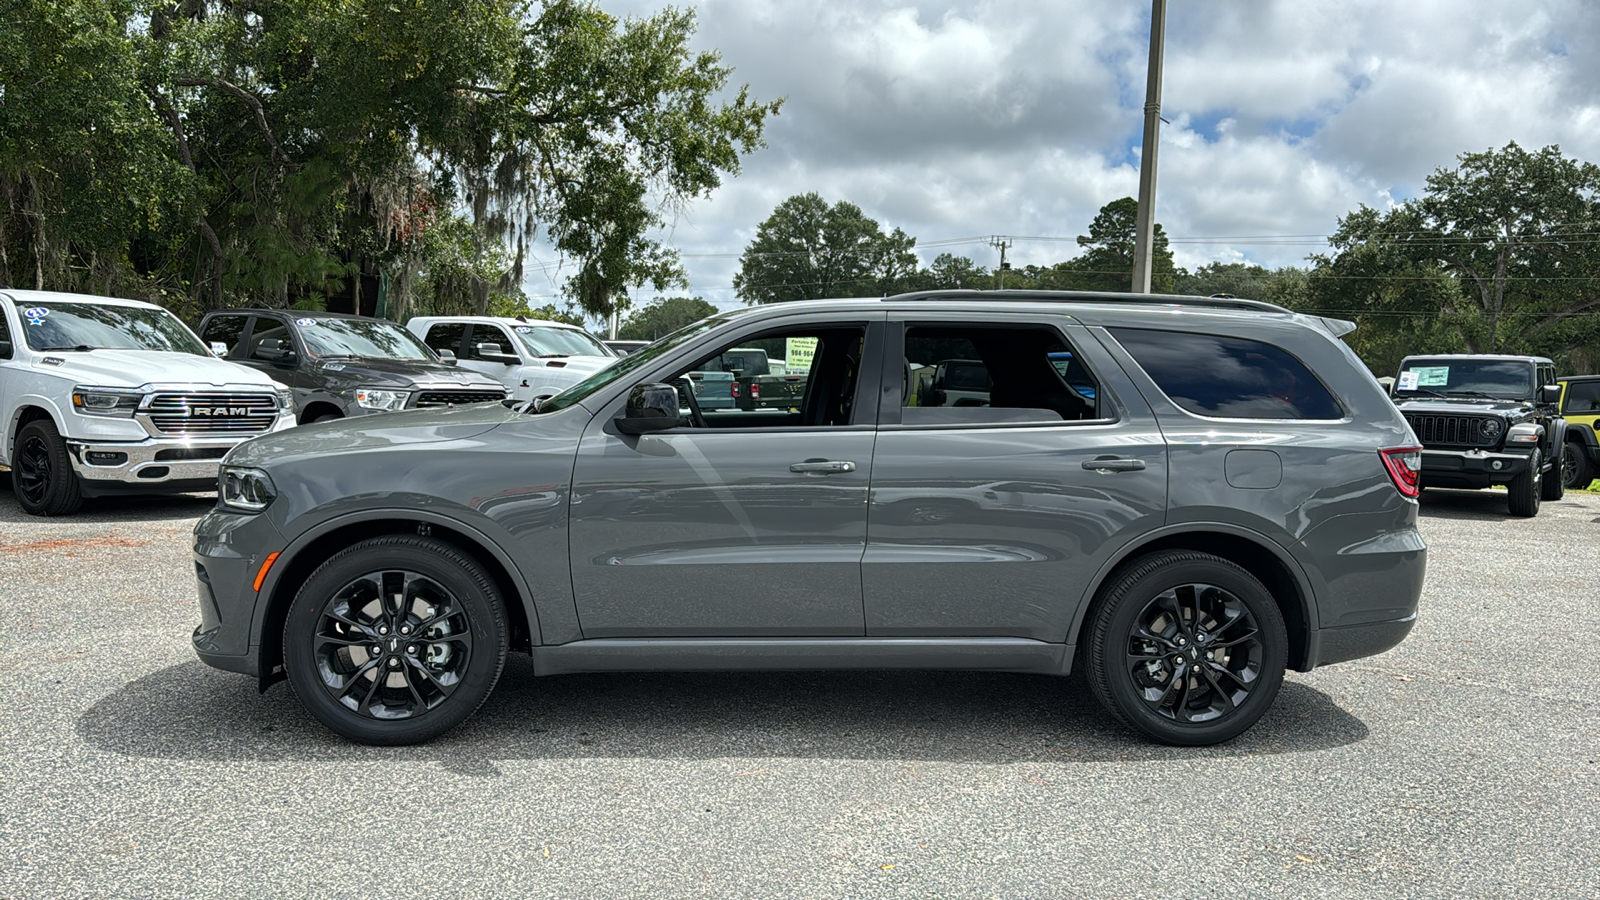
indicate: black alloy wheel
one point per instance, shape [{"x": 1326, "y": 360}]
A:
[
  {"x": 395, "y": 640},
  {"x": 1576, "y": 470},
  {"x": 1524, "y": 491},
  {"x": 1551, "y": 485},
  {"x": 42, "y": 476},
  {"x": 1187, "y": 648}
]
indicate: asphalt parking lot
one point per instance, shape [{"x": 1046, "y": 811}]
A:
[{"x": 1464, "y": 762}]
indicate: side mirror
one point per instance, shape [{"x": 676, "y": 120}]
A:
[
  {"x": 493, "y": 353},
  {"x": 448, "y": 357},
  {"x": 1550, "y": 393},
  {"x": 275, "y": 350},
  {"x": 651, "y": 407},
  {"x": 218, "y": 348}
]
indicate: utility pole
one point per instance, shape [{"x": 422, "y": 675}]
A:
[
  {"x": 1003, "y": 244},
  {"x": 1144, "y": 238}
]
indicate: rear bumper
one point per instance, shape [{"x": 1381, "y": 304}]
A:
[{"x": 1337, "y": 645}]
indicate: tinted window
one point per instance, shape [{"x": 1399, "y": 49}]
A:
[
  {"x": 5, "y": 332},
  {"x": 980, "y": 374},
  {"x": 1227, "y": 377},
  {"x": 67, "y": 326},
  {"x": 489, "y": 334},
  {"x": 227, "y": 330},
  {"x": 818, "y": 385},
  {"x": 446, "y": 336}
]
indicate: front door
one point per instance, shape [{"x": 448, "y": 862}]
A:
[
  {"x": 737, "y": 523},
  {"x": 992, "y": 510}
]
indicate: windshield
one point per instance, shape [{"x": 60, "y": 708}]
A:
[
  {"x": 1501, "y": 379},
  {"x": 627, "y": 365},
  {"x": 93, "y": 326},
  {"x": 543, "y": 340},
  {"x": 373, "y": 338}
]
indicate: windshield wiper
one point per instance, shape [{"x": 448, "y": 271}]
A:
[
  {"x": 1474, "y": 394},
  {"x": 1422, "y": 390},
  {"x": 81, "y": 348}
]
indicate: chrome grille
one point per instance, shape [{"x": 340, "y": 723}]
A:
[
  {"x": 456, "y": 398},
  {"x": 1460, "y": 431},
  {"x": 212, "y": 413}
]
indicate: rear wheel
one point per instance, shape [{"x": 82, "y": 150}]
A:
[
  {"x": 1576, "y": 470},
  {"x": 395, "y": 640},
  {"x": 1522, "y": 494},
  {"x": 42, "y": 475},
  {"x": 1187, "y": 648}
]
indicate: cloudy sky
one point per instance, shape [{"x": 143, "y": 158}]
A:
[{"x": 960, "y": 120}]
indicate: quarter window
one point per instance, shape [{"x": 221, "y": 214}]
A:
[{"x": 1227, "y": 377}]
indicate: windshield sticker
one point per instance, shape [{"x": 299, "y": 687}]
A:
[
  {"x": 305, "y": 323},
  {"x": 524, "y": 329},
  {"x": 1408, "y": 381},
  {"x": 1432, "y": 376},
  {"x": 35, "y": 314}
]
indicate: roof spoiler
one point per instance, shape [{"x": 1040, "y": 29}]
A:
[{"x": 1337, "y": 327}]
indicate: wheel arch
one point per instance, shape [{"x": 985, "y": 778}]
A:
[
  {"x": 317, "y": 408},
  {"x": 1257, "y": 554},
  {"x": 311, "y": 549},
  {"x": 29, "y": 410}
]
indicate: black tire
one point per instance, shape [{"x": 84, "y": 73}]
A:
[
  {"x": 445, "y": 645},
  {"x": 41, "y": 471},
  {"x": 1148, "y": 636},
  {"x": 1522, "y": 494},
  {"x": 1550, "y": 485},
  {"x": 325, "y": 417},
  {"x": 1577, "y": 472}
]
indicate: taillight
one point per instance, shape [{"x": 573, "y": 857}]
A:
[
  {"x": 735, "y": 388},
  {"x": 755, "y": 391},
  {"x": 1405, "y": 469}
]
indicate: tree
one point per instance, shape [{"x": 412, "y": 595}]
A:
[
  {"x": 285, "y": 152},
  {"x": 808, "y": 249},
  {"x": 1285, "y": 287},
  {"x": 663, "y": 316},
  {"x": 1106, "y": 263}
]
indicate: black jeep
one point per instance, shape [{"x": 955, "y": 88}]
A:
[{"x": 1486, "y": 420}]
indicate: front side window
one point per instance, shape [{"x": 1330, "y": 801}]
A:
[
  {"x": 959, "y": 373},
  {"x": 1228, "y": 377},
  {"x": 371, "y": 338},
  {"x": 93, "y": 326},
  {"x": 489, "y": 334},
  {"x": 5, "y": 334},
  {"x": 801, "y": 377},
  {"x": 1583, "y": 397}
]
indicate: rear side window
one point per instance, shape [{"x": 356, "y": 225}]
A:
[
  {"x": 1228, "y": 377},
  {"x": 445, "y": 336}
]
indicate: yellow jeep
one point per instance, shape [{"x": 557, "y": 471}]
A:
[{"x": 1580, "y": 405}]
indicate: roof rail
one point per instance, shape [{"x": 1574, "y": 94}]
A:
[{"x": 1212, "y": 302}]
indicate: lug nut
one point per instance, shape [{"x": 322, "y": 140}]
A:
[
  {"x": 383, "y": 629},
  {"x": 377, "y": 649},
  {"x": 394, "y": 663},
  {"x": 412, "y": 649},
  {"x": 405, "y": 629}
]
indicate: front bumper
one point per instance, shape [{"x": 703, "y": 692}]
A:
[
  {"x": 229, "y": 551},
  {"x": 1471, "y": 468},
  {"x": 153, "y": 463}
]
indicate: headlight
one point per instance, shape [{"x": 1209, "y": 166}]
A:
[
  {"x": 1493, "y": 426},
  {"x": 92, "y": 401},
  {"x": 372, "y": 398},
  {"x": 244, "y": 490},
  {"x": 285, "y": 398}
]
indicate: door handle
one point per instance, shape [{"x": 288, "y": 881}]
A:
[
  {"x": 1112, "y": 464},
  {"x": 822, "y": 466}
]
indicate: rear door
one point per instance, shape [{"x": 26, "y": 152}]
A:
[{"x": 991, "y": 518}]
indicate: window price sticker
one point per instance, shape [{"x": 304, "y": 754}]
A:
[
  {"x": 1432, "y": 376},
  {"x": 1408, "y": 380}
]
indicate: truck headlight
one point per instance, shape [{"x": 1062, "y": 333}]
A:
[
  {"x": 373, "y": 398},
  {"x": 244, "y": 490},
  {"x": 285, "y": 398},
  {"x": 93, "y": 401},
  {"x": 1492, "y": 427}
]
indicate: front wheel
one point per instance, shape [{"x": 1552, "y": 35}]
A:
[
  {"x": 1523, "y": 493},
  {"x": 1187, "y": 648},
  {"x": 42, "y": 474},
  {"x": 1551, "y": 486},
  {"x": 395, "y": 640}
]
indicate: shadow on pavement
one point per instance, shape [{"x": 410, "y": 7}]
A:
[
  {"x": 111, "y": 510},
  {"x": 192, "y": 712},
  {"x": 1481, "y": 506}
]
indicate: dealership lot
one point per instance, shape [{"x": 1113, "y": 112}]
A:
[{"x": 1466, "y": 761}]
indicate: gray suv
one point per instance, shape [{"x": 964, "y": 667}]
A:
[{"x": 1233, "y": 495}]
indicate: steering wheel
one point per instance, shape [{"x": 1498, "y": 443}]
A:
[{"x": 686, "y": 391}]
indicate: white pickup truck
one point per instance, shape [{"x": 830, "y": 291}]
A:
[{"x": 101, "y": 396}]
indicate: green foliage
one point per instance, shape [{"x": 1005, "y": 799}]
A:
[
  {"x": 808, "y": 249},
  {"x": 663, "y": 316},
  {"x": 1287, "y": 286},
  {"x": 289, "y": 151}
]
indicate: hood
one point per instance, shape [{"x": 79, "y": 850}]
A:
[
  {"x": 366, "y": 434},
  {"x": 400, "y": 374},
  {"x": 578, "y": 365},
  {"x": 135, "y": 368},
  {"x": 1462, "y": 406}
]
